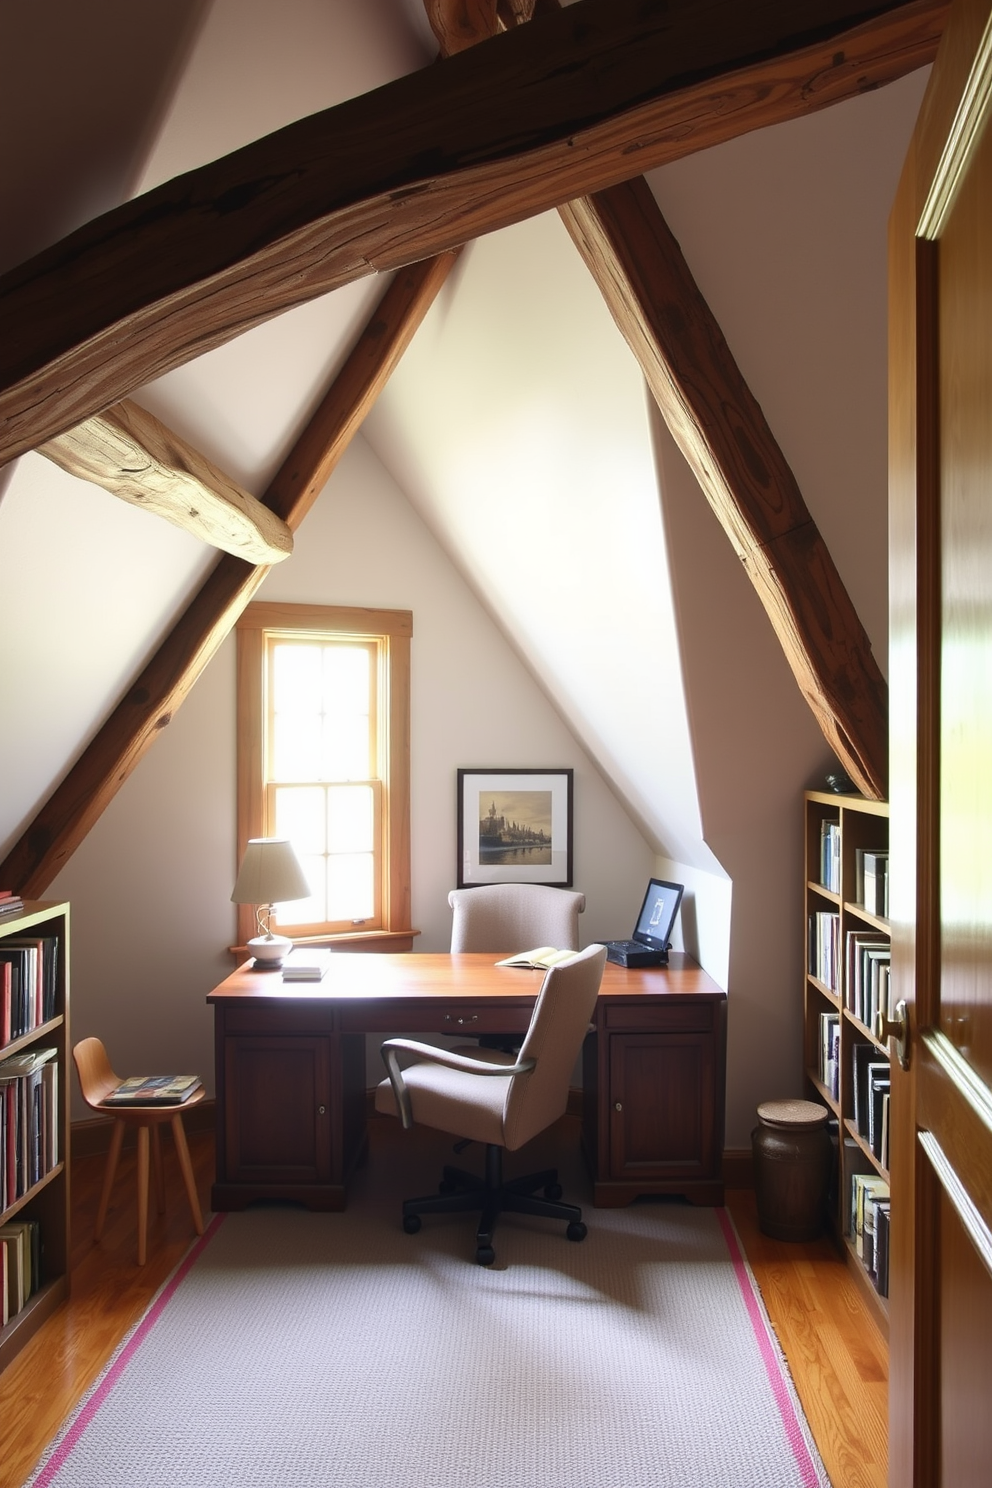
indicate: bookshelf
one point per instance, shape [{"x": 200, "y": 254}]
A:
[
  {"x": 45, "y": 1184},
  {"x": 845, "y": 1066}
]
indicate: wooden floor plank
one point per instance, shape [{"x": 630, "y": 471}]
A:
[{"x": 835, "y": 1353}]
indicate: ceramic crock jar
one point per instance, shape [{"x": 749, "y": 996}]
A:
[{"x": 793, "y": 1157}]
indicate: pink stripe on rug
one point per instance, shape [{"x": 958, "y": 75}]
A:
[
  {"x": 126, "y": 1353},
  {"x": 773, "y": 1368}
]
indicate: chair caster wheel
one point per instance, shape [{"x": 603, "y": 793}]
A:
[
  {"x": 553, "y": 1191},
  {"x": 576, "y": 1230},
  {"x": 412, "y": 1223},
  {"x": 485, "y": 1255}
]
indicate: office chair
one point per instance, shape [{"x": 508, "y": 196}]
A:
[
  {"x": 509, "y": 917},
  {"x": 96, "y": 1081},
  {"x": 500, "y": 1099}
]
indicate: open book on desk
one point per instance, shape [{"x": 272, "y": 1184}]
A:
[{"x": 538, "y": 960}]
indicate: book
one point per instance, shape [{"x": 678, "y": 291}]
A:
[
  {"x": 876, "y": 882},
  {"x": 539, "y": 959},
  {"x": 153, "y": 1090},
  {"x": 306, "y": 964}
]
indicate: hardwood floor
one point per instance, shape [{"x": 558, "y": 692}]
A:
[{"x": 837, "y": 1357}]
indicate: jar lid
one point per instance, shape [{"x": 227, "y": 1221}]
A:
[{"x": 792, "y": 1113}]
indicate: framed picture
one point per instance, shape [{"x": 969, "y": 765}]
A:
[{"x": 515, "y": 826}]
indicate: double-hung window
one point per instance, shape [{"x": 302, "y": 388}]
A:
[{"x": 324, "y": 759}]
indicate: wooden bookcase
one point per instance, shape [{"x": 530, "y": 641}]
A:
[
  {"x": 48, "y": 1199},
  {"x": 862, "y": 825}
]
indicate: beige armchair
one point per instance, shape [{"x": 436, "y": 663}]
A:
[
  {"x": 503, "y": 1100},
  {"x": 509, "y": 917}
]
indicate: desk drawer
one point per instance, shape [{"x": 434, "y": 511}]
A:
[
  {"x": 432, "y": 1016},
  {"x": 658, "y": 1016},
  {"x": 280, "y": 1018}
]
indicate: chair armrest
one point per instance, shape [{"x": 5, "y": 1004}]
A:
[{"x": 393, "y": 1048}]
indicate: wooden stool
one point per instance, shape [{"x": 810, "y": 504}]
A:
[{"x": 97, "y": 1080}]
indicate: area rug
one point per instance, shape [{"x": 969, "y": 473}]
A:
[{"x": 335, "y": 1351}]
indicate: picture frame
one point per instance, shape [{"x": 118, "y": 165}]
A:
[{"x": 515, "y": 826}]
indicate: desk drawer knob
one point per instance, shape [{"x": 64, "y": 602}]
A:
[
  {"x": 617, "y": 1105},
  {"x": 461, "y": 1021}
]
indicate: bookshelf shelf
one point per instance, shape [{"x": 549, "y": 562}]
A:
[
  {"x": 46, "y": 1198},
  {"x": 848, "y": 943}
]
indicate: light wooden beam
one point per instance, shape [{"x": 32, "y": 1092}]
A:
[
  {"x": 719, "y": 426},
  {"x": 152, "y": 700},
  {"x": 550, "y": 111},
  {"x": 134, "y": 456}
]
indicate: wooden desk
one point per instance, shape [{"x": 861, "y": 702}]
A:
[{"x": 290, "y": 1070}]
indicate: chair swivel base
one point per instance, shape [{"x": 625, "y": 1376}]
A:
[{"x": 460, "y": 1192}]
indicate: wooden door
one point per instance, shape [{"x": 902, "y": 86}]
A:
[{"x": 941, "y": 789}]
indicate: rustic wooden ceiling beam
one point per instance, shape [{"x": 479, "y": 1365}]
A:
[
  {"x": 134, "y": 456},
  {"x": 547, "y": 112},
  {"x": 721, "y": 430},
  {"x": 152, "y": 700}
]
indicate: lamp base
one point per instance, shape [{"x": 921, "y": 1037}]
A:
[{"x": 269, "y": 951}]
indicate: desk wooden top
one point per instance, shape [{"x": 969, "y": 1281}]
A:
[{"x": 369, "y": 976}]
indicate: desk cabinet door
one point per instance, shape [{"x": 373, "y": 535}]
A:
[
  {"x": 662, "y": 1101},
  {"x": 279, "y": 1110}
]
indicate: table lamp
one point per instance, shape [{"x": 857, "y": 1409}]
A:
[{"x": 270, "y": 874}]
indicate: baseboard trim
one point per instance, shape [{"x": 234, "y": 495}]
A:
[
  {"x": 91, "y": 1138},
  {"x": 738, "y": 1167}
]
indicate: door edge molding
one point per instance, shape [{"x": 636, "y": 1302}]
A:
[
  {"x": 963, "y": 137},
  {"x": 975, "y": 1227}
]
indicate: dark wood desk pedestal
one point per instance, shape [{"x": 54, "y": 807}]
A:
[{"x": 290, "y": 1070}]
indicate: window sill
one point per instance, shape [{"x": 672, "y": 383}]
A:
[{"x": 357, "y": 940}]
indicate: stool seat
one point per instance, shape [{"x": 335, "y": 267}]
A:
[{"x": 97, "y": 1080}]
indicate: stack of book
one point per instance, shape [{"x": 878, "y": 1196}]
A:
[
  {"x": 824, "y": 943},
  {"x": 871, "y": 876},
  {"x": 28, "y": 976},
  {"x": 306, "y": 964},
  {"x": 871, "y": 1079},
  {"x": 10, "y": 903},
  {"x": 20, "y": 1264},
  {"x": 830, "y": 855},
  {"x": 29, "y": 1128},
  {"x": 830, "y": 1053},
  {"x": 869, "y": 1230},
  {"x": 866, "y": 986}
]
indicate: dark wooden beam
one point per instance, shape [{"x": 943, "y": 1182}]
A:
[
  {"x": 553, "y": 110},
  {"x": 723, "y": 434},
  {"x": 137, "y": 458},
  {"x": 152, "y": 700}
]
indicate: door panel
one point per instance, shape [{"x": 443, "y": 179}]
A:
[{"x": 941, "y": 676}]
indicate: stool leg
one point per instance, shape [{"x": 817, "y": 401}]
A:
[
  {"x": 157, "y": 1170},
  {"x": 182, "y": 1152},
  {"x": 142, "y": 1194},
  {"x": 116, "y": 1138}
]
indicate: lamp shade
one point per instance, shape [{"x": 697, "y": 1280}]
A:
[{"x": 270, "y": 873}]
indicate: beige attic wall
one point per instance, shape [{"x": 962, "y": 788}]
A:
[
  {"x": 153, "y": 879},
  {"x": 85, "y": 627},
  {"x": 785, "y": 231},
  {"x": 83, "y": 88}
]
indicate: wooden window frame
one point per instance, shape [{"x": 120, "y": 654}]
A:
[{"x": 392, "y": 631}]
